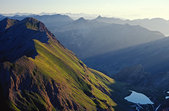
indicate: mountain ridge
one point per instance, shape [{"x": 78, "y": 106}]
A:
[
  {"x": 7, "y": 23},
  {"x": 99, "y": 38},
  {"x": 153, "y": 24},
  {"x": 49, "y": 78},
  {"x": 150, "y": 55}
]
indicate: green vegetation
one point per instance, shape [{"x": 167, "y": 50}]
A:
[
  {"x": 54, "y": 78},
  {"x": 84, "y": 84},
  {"x": 13, "y": 107},
  {"x": 32, "y": 24}
]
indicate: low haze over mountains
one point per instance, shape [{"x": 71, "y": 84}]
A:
[
  {"x": 153, "y": 56},
  {"x": 89, "y": 38},
  {"x": 154, "y": 24}
]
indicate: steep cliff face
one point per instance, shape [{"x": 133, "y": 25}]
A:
[{"x": 38, "y": 73}]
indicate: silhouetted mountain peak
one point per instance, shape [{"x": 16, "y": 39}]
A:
[
  {"x": 98, "y": 17},
  {"x": 7, "y": 23},
  {"x": 81, "y": 20}
]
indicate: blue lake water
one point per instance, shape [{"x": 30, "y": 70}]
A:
[{"x": 138, "y": 98}]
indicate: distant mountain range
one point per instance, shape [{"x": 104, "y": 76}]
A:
[
  {"x": 89, "y": 38},
  {"x": 154, "y": 24}
]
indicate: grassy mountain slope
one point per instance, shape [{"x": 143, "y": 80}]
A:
[{"x": 47, "y": 76}]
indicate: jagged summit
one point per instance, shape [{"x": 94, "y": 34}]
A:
[
  {"x": 22, "y": 44},
  {"x": 33, "y": 24},
  {"x": 31, "y": 20},
  {"x": 7, "y": 23},
  {"x": 81, "y": 20},
  {"x": 98, "y": 17}
]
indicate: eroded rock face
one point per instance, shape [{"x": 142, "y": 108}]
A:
[{"x": 22, "y": 82}]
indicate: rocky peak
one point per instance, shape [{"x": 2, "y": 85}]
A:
[
  {"x": 98, "y": 17},
  {"x": 22, "y": 44},
  {"x": 7, "y": 23},
  {"x": 81, "y": 20},
  {"x": 33, "y": 24}
]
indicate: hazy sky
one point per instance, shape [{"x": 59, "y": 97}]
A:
[{"x": 115, "y": 8}]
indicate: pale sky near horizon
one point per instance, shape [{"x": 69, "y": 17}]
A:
[{"x": 130, "y": 9}]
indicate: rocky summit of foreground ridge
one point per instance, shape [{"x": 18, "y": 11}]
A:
[
  {"x": 37, "y": 73},
  {"x": 7, "y": 23}
]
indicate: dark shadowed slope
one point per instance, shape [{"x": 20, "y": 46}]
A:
[
  {"x": 145, "y": 68},
  {"x": 18, "y": 39},
  {"x": 7, "y": 23},
  {"x": 38, "y": 73},
  {"x": 152, "y": 56}
]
